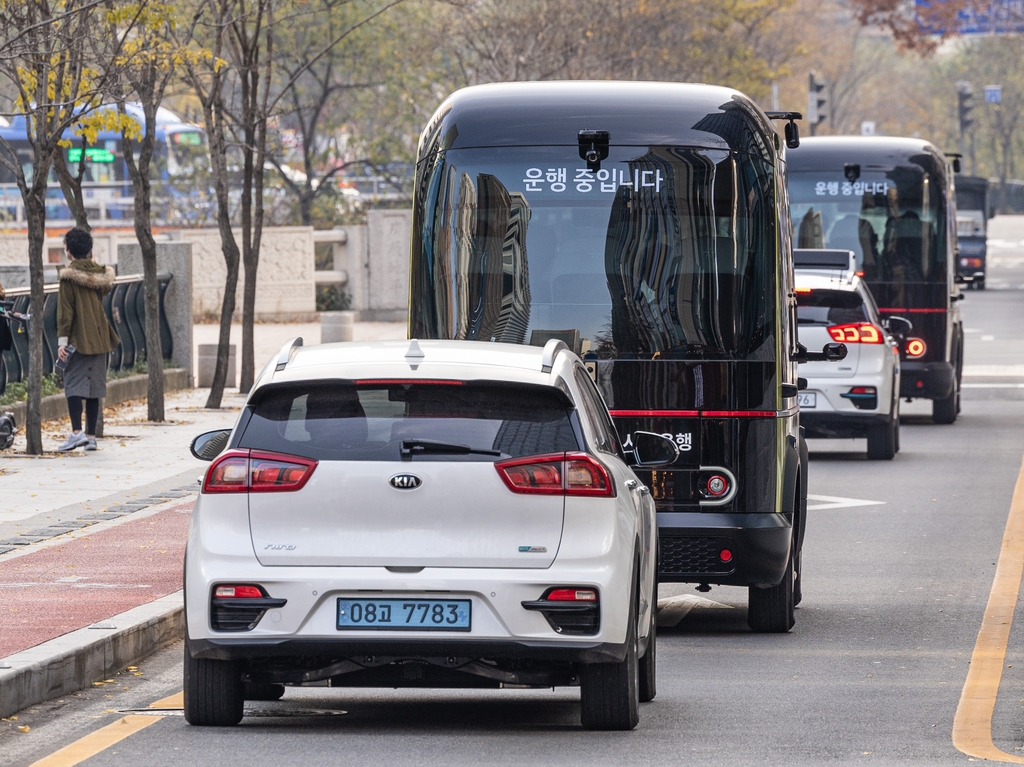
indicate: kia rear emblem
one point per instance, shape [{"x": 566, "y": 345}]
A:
[{"x": 405, "y": 482}]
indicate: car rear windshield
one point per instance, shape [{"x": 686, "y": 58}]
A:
[
  {"x": 369, "y": 420},
  {"x": 830, "y": 307}
]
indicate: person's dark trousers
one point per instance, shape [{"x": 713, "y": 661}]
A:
[{"x": 92, "y": 411}]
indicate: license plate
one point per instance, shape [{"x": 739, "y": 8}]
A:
[
  {"x": 807, "y": 399},
  {"x": 405, "y": 614}
]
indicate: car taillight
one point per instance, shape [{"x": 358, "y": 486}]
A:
[
  {"x": 228, "y": 474},
  {"x": 916, "y": 347},
  {"x": 240, "y": 471},
  {"x": 856, "y": 333},
  {"x": 238, "y": 592},
  {"x": 556, "y": 474},
  {"x": 277, "y": 474},
  {"x": 571, "y": 595}
]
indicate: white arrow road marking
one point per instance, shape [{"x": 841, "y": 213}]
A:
[
  {"x": 835, "y": 502},
  {"x": 671, "y": 610}
]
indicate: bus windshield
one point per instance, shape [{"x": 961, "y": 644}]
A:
[
  {"x": 661, "y": 253},
  {"x": 894, "y": 220}
]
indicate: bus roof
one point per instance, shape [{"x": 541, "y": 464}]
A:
[
  {"x": 823, "y": 152},
  {"x": 166, "y": 122},
  {"x": 553, "y": 113}
]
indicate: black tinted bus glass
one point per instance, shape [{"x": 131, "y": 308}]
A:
[
  {"x": 970, "y": 199},
  {"x": 663, "y": 253},
  {"x": 343, "y": 421},
  {"x": 830, "y": 307},
  {"x": 893, "y": 220}
]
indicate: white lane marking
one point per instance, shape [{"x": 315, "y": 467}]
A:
[
  {"x": 671, "y": 610},
  {"x": 992, "y": 386},
  {"x": 836, "y": 502},
  {"x": 988, "y": 338},
  {"x": 993, "y": 371}
]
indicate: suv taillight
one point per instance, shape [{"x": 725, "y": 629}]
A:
[
  {"x": 856, "y": 333},
  {"x": 556, "y": 474},
  {"x": 244, "y": 471}
]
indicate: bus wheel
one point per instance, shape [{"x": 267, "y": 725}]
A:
[
  {"x": 944, "y": 410},
  {"x": 770, "y": 610},
  {"x": 980, "y": 284}
]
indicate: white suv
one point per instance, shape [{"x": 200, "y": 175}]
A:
[
  {"x": 859, "y": 396},
  {"x": 434, "y": 513}
]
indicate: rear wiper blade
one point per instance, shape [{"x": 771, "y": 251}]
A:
[{"x": 411, "y": 447}]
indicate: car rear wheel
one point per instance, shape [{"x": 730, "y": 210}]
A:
[
  {"x": 214, "y": 692},
  {"x": 883, "y": 439},
  {"x": 770, "y": 610},
  {"x": 263, "y": 691},
  {"x": 610, "y": 692},
  {"x": 649, "y": 662}
]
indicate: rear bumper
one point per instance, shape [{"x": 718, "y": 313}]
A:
[
  {"x": 839, "y": 425},
  {"x": 258, "y": 648},
  {"x": 691, "y": 544},
  {"x": 927, "y": 380}
]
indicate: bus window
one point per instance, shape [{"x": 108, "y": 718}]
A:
[
  {"x": 894, "y": 220},
  {"x": 186, "y": 152},
  {"x": 663, "y": 253}
]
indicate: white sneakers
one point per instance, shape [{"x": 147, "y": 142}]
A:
[{"x": 77, "y": 439}]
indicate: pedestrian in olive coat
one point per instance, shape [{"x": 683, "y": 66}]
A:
[{"x": 82, "y": 326}]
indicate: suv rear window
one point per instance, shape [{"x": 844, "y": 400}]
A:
[
  {"x": 369, "y": 420},
  {"x": 830, "y": 307}
]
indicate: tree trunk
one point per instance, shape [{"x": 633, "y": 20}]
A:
[
  {"x": 35, "y": 215},
  {"x": 71, "y": 186},
  {"x": 154, "y": 343}
]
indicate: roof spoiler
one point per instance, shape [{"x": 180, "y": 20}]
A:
[{"x": 820, "y": 258}]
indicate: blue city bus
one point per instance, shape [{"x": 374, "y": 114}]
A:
[
  {"x": 181, "y": 150},
  {"x": 647, "y": 226}
]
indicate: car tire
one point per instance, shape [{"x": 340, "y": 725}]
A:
[
  {"x": 213, "y": 691},
  {"x": 263, "y": 691},
  {"x": 610, "y": 692},
  {"x": 883, "y": 439},
  {"x": 648, "y": 672},
  {"x": 979, "y": 284},
  {"x": 770, "y": 610}
]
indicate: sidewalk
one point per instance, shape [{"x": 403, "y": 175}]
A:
[{"x": 91, "y": 544}]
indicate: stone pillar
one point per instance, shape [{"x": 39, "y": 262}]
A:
[
  {"x": 176, "y": 258},
  {"x": 390, "y": 233},
  {"x": 336, "y": 326}
]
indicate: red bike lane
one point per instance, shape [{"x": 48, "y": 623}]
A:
[{"x": 85, "y": 580}]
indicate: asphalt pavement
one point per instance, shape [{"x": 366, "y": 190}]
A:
[{"x": 901, "y": 598}]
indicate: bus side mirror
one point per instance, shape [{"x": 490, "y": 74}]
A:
[
  {"x": 210, "y": 444},
  {"x": 831, "y": 352},
  {"x": 792, "y": 135},
  {"x": 652, "y": 450}
]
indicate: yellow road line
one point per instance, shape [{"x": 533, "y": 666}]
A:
[
  {"x": 97, "y": 741},
  {"x": 176, "y": 701},
  {"x": 972, "y": 725}
]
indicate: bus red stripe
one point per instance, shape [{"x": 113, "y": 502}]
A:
[
  {"x": 898, "y": 310},
  {"x": 693, "y": 413}
]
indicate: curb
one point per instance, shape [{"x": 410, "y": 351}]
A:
[
  {"x": 54, "y": 407},
  {"x": 74, "y": 661}
]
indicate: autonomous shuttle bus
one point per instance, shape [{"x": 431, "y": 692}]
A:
[
  {"x": 891, "y": 201},
  {"x": 646, "y": 225}
]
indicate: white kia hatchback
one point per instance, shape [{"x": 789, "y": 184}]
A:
[
  {"x": 859, "y": 396},
  {"x": 430, "y": 514}
]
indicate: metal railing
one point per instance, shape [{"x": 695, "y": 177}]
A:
[{"x": 125, "y": 307}]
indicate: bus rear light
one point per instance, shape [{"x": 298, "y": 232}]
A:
[
  {"x": 856, "y": 333},
  {"x": 717, "y": 486},
  {"x": 725, "y": 555},
  {"x": 916, "y": 347},
  {"x": 556, "y": 474}
]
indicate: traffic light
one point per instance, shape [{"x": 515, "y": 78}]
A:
[
  {"x": 965, "y": 104},
  {"x": 817, "y": 103}
]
